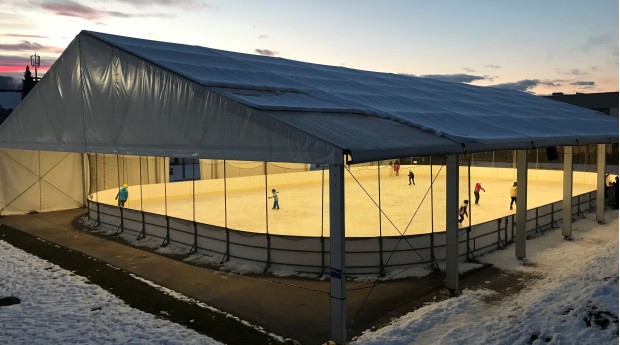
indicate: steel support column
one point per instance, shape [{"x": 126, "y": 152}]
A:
[
  {"x": 567, "y": 205},
  {"x": 600, "y": 184},
  {"x": 338, "y": 307},
  {"x": 452, "y": 231},
  {"x": 521, "y": 217}
]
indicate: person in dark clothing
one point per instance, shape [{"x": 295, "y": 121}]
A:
[
  {"x": 411, "y": 178},
  {"x": 463, "y": 211}
]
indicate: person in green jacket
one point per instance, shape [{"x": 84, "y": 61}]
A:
[{"x": 122, "y": 195}]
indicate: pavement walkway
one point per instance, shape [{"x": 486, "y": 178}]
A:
[{"x": 296, "y": 308}]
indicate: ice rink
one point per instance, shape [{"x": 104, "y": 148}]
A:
[{"x": 406, "y": 209}]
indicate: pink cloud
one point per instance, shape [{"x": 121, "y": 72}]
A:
[
  {"x": 24, "y": 36},
  {"x": 23, "y": 45},
  {"x": 71, "y": 9}
]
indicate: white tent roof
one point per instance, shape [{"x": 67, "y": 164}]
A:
[{"x": 117, "y": 94}]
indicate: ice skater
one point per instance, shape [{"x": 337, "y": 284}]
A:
[
  {"x": 513, "y": 195},
  {"x": 122, "y": 195},
  {"x": 463, "y": 211},
  {"x": 396, "y": 168},
  {"x": 411, "y": 178},
  {"x": 477, "y": 189},
  {"x": 274, "y": 196}
]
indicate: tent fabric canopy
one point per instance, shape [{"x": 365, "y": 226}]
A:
[{"x": 115, "y": 94}]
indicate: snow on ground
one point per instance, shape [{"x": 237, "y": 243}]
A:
[
  {"x": 59, "y": 307},
  {"x": 574, "y": 302}
]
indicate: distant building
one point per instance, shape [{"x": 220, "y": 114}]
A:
[{"x": 605, "y": 102}]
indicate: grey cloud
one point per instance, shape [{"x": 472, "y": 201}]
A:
[
  {"x": 571, "y": 71},
  {"x": 24, "y": 45},
  {"x": 603, "y": 40},
  {"x": 8, "y": 83},
  {"x": 263, "y": 37},
  {"x": 521, "y": 85},
  {"x": 266, "y": 52},
  {"x": 583, "y": 83},
  {"x": 457, "y": 78},
  {"x": 138, "y": 15},
  {"x": 526, "y": 84},
  {"x": 493, "y": 66},
  {"x": 471, "y": 70}
]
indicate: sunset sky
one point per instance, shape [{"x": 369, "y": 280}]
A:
[{"x": 530, "y": 45}]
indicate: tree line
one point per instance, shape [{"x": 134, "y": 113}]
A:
[{"x": 28, "y": 84}]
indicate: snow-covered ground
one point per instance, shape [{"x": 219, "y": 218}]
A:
[
  {"x": 59, "y": 307},
  {"x": 577, "y": 288}
]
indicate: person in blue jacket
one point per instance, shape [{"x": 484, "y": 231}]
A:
[{"x": 122, "y": 195}]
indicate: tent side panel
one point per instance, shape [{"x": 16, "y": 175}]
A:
[{"x": 40, "y": 181}]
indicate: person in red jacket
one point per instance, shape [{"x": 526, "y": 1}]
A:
[
  {"x": 396, "y": 168},
  {"x": 477, "y": 189}
]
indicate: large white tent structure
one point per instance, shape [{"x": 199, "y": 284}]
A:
[{"x": 119, "y": 95}]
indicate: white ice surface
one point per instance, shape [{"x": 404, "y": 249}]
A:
[
  {"x": 59, "y": 307},
  {"x": 576, "y": 277}
]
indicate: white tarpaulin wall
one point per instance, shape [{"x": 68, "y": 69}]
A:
[
  {"x": 40, "y": 181},
  {"x": 213, "y": 169},
  {"x": 112, "y": 171}
]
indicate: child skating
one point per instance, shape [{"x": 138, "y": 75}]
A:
[
  {"x": 274, "y": 196},
  {"x": 122, "y": 195},
  {"x": 463, "y": 211}
]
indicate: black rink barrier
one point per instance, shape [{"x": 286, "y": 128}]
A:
[{"x": 308, "y": 254}]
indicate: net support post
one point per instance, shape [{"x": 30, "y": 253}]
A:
[
  {"x": 338, "y": 305},
  {"x": 567, "y": 181},
  {"x": 521, "y": 218},
  {"x": 452, "y": 231},
  {"x": 600, "y": 183}
]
